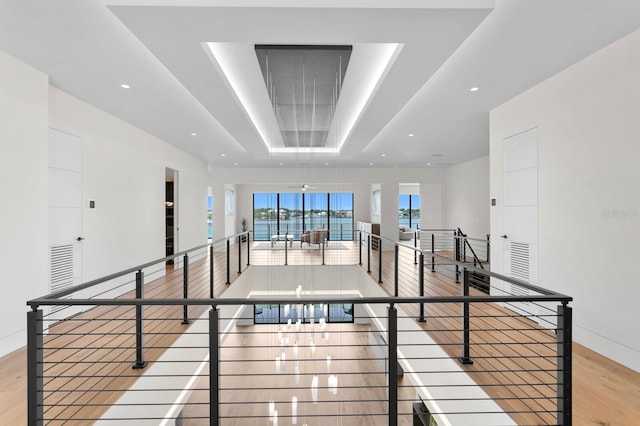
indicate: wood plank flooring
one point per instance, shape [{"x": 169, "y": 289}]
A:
[{"x": 605, "y": 393}]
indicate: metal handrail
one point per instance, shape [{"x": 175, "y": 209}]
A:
[
  {"x": 470, "y": 238},
  {"x": 88, "y": 284},
  {"x": 35, "y": 303},
  {"x": 490, "y": 273}
]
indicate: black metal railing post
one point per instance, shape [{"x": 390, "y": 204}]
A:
[
  {"x": 228, "y": 262},
  {"x": 392, "y": 320},
  {"x": 466, "y": 357},
  {"x": 35, "y": 391},
  {"x": 463, "y": 244},
  {"x": 359, "y": 248},
  {"x": 286, "y": 250},
  {"x": 248, "y": 247},
  {"x": 185, "y": 289},
  {"x": 421, "y": 284},
  {"x": 211, "y": 280},
  {"x": 323, "y": 244},
  {"x": 457, "y": 254},
  {"x": 379, "y": 261},
  {"x": 488, "y": 248},
  {"x": 415, "y": 246},
  {"x": 239, "y": 254},
  {"x": 433, "y": 251},
  {"x": 214, "y": 367},
  {"x": 396, "y": 267},
  {"x": 140, "y": 362},
  {"x": 564, "y": 339},
  {"x": 368, "y": 253}
]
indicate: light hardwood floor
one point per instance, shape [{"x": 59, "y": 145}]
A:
[{"x": 604, "y": 392}]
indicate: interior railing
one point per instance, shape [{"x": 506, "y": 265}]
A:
[{"x": 123, "y": 350}]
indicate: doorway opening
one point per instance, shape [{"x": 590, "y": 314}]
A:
[{"x": 171, "y": 209}]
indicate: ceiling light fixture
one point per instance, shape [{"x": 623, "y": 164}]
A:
[
  {"x": 125, "y": 86},
  {"x": 428, "y": 164},
  {"x": 474, "y": 89},
  {"x": 382, "y": 56},
  {"x": 194, "y": 134},
  {"x": 223, "y": 155},
  {"x": 383, "y": 155},
  {"x": 371, "y": 164},
  {"x": 411, "y": 135}
]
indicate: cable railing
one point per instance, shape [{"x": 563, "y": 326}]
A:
[
  {"x": 191, "y": 348},
  {"x": 336, "y": 231}
]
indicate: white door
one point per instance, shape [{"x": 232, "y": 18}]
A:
[
  {"x": 65, "y": 215},
  {"x": 520, "y": 154}
]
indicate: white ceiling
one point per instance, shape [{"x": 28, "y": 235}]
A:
[{"x": 89, "y": 48}]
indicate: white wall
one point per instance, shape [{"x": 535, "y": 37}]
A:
[
  {"x": 588, "y": 120},
  {"x": 466, "y": 197},
  {"x": 124, "y": 172},
  {"x": 358, "y": 181},
  {"x": 23, "y": 185}
]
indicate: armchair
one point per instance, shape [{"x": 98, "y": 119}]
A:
[
  {"x": 316, "y": 236},
  {"x": 405, "y": 233}
]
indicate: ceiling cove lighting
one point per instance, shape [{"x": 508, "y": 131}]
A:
[
  {"x": 377, "y": 59},
  {"x": 303, "y": 83}
]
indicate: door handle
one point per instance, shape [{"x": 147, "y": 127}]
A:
[
  {"x": 504, "y": 236},
  {"x": 79, "y": 239}
]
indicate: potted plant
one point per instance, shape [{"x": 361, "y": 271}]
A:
[{"x": 245, "y": 226}]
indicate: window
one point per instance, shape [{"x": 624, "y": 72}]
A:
[
  {"x": 265, "y": 216},
  {"x": 292, "y": 213},
  {"x": 409, "y": 210},
  {"x": 290, "y": 216},
  {"x": 209, "y": 217},
  {"x": 229, "y": 202},
  {"x": 316, "y": 207},
  {"x": 281, "y": 314},
  {"x": 341, "y": 216}
]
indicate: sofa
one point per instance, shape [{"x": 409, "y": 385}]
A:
[
  {"x": 315, "y": 236},
  {"x": 406, "y": 233}
]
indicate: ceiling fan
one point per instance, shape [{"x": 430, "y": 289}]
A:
[{"x": 303, "y": 187}]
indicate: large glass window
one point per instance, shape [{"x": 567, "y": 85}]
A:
[
  {"x": 281, "y": 314},
  {"x": 409, "y": 210},
  {"x": 341, "y": 216},
  {"x": 316, "y": 207},
  {"x": 265, "y": 215},
  {"x": 291, "y": 213}
]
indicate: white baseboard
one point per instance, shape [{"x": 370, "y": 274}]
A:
[{"x": 622, "y": 354}]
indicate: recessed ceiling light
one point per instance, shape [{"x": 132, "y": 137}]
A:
[
  {"x": 371, "y": 164},
  {"x": 235, "y": 164},
  {"x": 411, "y": 135},
  {"x": 125, "y": 86},
  {"x": 194, "y": 134},
  {"x": 223, "y": 155},
  {"x": 428, "y": 164},
  {"x": 474, "y": 89},
  {"x": 326, "y": 164},
  {"x": 282, "y": 164},
  {"x": 383, "y": 155}
]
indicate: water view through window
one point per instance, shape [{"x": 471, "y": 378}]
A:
[
  {"x": 409, "y": 210},
  {"x": 293, "y": 213}
]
